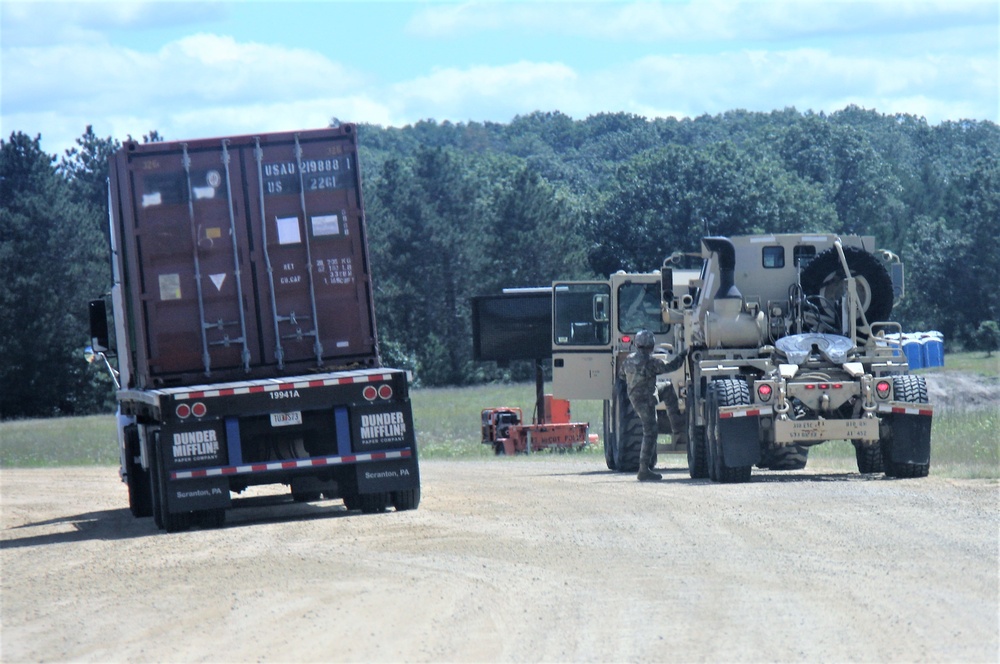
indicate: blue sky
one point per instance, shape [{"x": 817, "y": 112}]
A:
[{"x": 197, "y": 69}]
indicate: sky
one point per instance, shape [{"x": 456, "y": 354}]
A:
[{"x": 201, "y": 69}]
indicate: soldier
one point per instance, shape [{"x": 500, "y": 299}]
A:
[{"x": 641, "y": 369}]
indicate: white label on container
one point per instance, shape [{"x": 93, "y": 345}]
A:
[
  {"x": 217, "y": 279},
  {"x": 151, "y": 199},
  {"x": 326, "y": 224},
  {"x": 170, "y": 286},
  {"x": 288, "y": 230}
]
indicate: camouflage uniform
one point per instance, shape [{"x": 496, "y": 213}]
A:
[{"x": 641, "y": 369}]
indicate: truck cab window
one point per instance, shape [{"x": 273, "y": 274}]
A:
[
  {"x": 639, "y": 309},
  {"x": 580, "y": 314}
]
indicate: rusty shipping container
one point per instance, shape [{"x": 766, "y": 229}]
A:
[
  {"x": 247, "y": 256},
  {"x": 245, "y": 334}
]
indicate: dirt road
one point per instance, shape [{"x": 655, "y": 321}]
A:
[{"x": 540, "y": 559}]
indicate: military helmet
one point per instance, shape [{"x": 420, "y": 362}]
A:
[{"x": 645, "y": 339}]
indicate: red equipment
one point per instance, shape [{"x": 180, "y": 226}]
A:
[{"x": 503, "y": 429}]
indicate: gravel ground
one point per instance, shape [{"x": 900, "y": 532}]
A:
[{"x": 549, "y": 558}]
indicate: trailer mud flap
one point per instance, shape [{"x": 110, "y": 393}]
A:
[
  {"x": 200, "y": 494},
  {"x": 393, "y": 475},
  {"x": 739, "y": 439}
]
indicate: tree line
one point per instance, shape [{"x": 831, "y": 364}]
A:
[{"x": 456, "y": 210}]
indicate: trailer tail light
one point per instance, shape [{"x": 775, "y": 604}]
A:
[
  {"x": 882, "y": 389},
  {"x": 385, "y": 392},
  {"x": 626, "y": 339},
  {"x": 199, "y": 409},
  {"x": 183, "y": 411},
  {"x": 370, "y": 392},
  {"x": 764, "y": 392}
]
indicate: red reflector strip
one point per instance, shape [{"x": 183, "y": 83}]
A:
[
  {"x": 748, "y": 412},
  {"x": 896, "y": 409},
  {"x": 288, "y": 465},
  {"x": 283, "y": 387}
]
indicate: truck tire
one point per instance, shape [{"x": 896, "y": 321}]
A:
[
  {"x": 610, "y": 448},
  {"x": 785, "y": 457},
  {"x": 628, "y": 432},
  {"x": 374, "y": 503},
  {"x": 406, "y": 500},
  {"x": 869, "y": 457},
  {"x": 911, "y": 389},
  {"x": 696, "y": 452},
  {"x": 823, "y": 275},
  {"x": 725, "y": 392},
  {"x": 140, "y": 493},
  {"x": 172, "y": 523}
]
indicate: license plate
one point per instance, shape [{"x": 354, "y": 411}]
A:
[
  {"x": 786, "y": 431},
  {"x": 286, "y": 419}
]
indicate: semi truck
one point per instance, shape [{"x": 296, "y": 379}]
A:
[{"x": 244, "y": 332}]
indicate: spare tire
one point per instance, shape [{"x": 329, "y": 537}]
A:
[{"x": 824, "y": 276}]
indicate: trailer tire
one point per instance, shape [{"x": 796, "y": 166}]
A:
[
  {"x": 725, "y": 392},
  {"x": 696, "y": 450},
  {"x": 823, "y": 275},
  {"x": 140, "y": 492},
  {"x": 352, "y": 502},
  {"x": 406, "y": 500},
  {"x": 306, "y": 496},
  {"x": 869, "y": 457},
  {"x": 911, "y": 389},
  {"x": 374, "y": 503}
]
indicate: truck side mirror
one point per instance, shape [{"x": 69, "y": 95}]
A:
[
  {"x": 98, "y": 325},
  {"x": 601, "y": 308}
]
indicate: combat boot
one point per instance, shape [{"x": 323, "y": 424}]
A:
[{"x": 646, "y": 474}]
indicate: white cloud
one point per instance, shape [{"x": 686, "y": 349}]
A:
[{"x": 702, "y": 20}]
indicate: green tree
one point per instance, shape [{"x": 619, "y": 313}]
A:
[{"x": 48, "y": 247}]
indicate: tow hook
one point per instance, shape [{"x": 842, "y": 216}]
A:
[{"x": 868, "y": 395}]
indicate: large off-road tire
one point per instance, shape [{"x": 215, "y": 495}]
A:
[
  {"x": 140, "y": 492},
  {"x": 824, "y": 276},
  {"x": 610, "y": 439},
  {"x": 912, "y": 389},
  {"x": 869, "y": 457},
  {"x": 725, "y": 392},
  {"x": 786, "y": 457},
  {"x": 696, "y": 449},
  {"x": 628, "y": 432}
]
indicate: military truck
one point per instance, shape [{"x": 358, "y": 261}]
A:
[
  {"x": 594, "y": 324},
  {"x": 789, "y": 344},
  {"x": 244, "y": 329}
]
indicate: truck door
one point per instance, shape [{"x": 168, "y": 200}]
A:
[{"x": 582, "y": 366}]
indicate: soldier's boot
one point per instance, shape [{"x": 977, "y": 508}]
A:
[{"x": 645, "y": 457}]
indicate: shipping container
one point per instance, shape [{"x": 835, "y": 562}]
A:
[{"x": 245, "y": 326}]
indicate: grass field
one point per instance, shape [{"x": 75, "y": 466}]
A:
[{"x": 447, "y": 420}]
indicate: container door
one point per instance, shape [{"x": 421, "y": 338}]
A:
[
  {"x": 191, "y": 256},
  {"x": 582, "y": 366},
  {"x": 312, "y": 266}
]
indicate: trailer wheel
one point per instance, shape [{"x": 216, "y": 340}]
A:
[
  {"x": 824, "y": 276},
  {"x": 140, "y": 493},
  {"x": 406, "y": 500},
  {"x": 628, "y": 432},
  {"x": 912, "y": 389},
  {"x": 306, "y": 496},
  {"x": 352, "y": 502},
  {"x": 696, "y": 452},
  {"x": 726, "y": 392},
  {"x": 869, "y": 457},
  {"x": 374, "y": 503}
]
